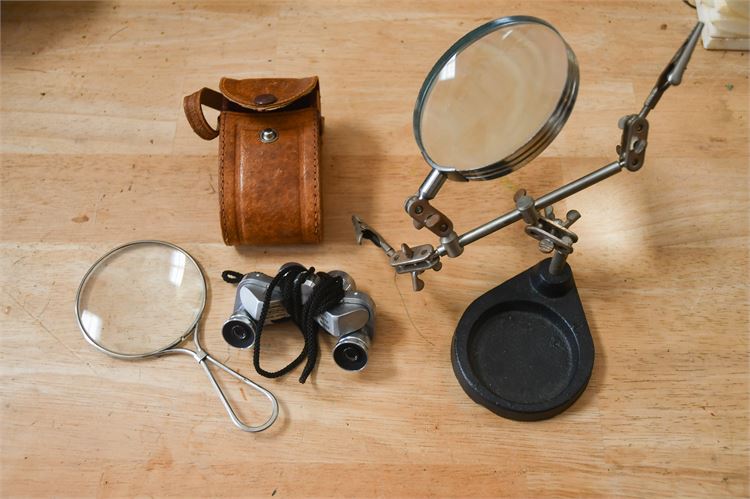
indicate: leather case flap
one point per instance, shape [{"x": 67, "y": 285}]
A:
[{"x": 267, "y": 94}]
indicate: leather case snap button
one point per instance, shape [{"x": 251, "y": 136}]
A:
[{"x": 264, "y": 99}]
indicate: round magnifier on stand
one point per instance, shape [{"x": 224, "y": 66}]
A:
[
  {"x": 496, "y": 99},
  {"x": 492, "y": 103}
]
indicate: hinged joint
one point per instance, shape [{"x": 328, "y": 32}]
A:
[
  {"x": 552, "y": 233},
  {"x": 632, "y": 148}
]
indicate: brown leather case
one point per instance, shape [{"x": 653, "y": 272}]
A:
[{"x": 269, "y": 146}]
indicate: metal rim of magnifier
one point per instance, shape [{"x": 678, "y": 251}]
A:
[
  {"x": 538, "y": 142},
  {"x": 160, "y": 350}
]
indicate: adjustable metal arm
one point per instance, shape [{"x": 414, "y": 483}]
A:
[
  {"x": 631, "y": 152},
  {"x": 543, "y": 202}
]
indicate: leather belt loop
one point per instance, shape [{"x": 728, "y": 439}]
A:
[{"x": 192, "y": 105}]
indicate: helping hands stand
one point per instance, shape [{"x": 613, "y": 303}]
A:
[{"x": 524, "y": 349}]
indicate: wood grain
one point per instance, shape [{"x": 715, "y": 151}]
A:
[{"x": 96, "y": 152}]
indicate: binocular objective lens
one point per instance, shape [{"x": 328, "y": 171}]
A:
[
  {"x": 238, "y": 334},
  {"x": 350, "y": 357}
]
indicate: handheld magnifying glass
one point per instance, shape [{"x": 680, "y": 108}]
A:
[
  {"x": 146, "y": 298},
  {"x": 492, "y": 103}
]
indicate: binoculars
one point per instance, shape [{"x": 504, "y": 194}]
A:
[{"x": 352, "y": 320}]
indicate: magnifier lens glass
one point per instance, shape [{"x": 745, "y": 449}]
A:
[
  {"x": 496, "y": 99},
  {"x": 141, "y": 298}
]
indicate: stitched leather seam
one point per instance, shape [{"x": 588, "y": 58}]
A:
[
  {"x": 222, "y": 197},
  {"x": 239, "y": 217},
  {"x": 316, "y": 206}
]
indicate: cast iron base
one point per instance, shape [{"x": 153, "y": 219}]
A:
[{"x": 523, "y": 349}]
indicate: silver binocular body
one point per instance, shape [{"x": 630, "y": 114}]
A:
[{"x": 352, "y": 320}]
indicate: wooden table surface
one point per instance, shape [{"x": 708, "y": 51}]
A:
[{"x": 96, "y": 152}]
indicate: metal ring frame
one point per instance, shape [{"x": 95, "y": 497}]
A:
[
  {"x": 159, "y": 351},
  {"x": 538, "y": 142}
]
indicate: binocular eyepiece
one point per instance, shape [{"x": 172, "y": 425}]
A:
[{"x": 352, "y": 320}]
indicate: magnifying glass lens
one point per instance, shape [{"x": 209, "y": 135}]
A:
[
  {"x": 496, "y": 98},
  {"x": 141, "y": 298}
]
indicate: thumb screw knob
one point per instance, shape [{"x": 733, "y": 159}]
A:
[
  {"x": 546, "y": 245},
  {"x": 571, "y": 217}
]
